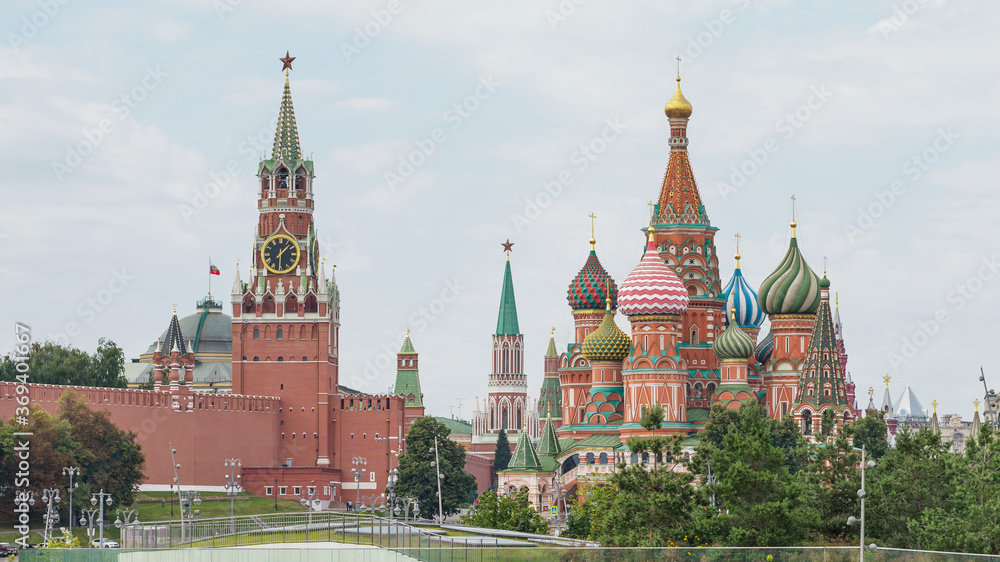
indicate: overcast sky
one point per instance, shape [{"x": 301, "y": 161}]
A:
[{"x": 131, "y": 131}]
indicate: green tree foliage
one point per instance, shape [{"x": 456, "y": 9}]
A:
[
  {"x": 512, "y": 513},
  {"x": 501, "y": 455},
  {"x": 834, "y": 478},
  {"x": 108, "y": 457},
  {"x": 417, "y": 477},
  {"x": 51, "y": 363},
  {"x": 763, "y": 501},
  {"x": 643, "y": 507},
  {"x": 870, "y": 432}
]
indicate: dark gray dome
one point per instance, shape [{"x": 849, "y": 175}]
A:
[{"x": 209, "y": 328}]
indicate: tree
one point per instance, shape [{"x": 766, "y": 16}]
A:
[
  {"x": 640, "y": 507},
  {"x": 834, "y": 478},
  {"x": 760, "y": 496},
  {"x": 512, "y": 513},
  {"x": 417, "y": 477},
  {"x": 870, "y": 432},
  {"x": 501, "y": 455},
  {"x": 51, "y": 363}
]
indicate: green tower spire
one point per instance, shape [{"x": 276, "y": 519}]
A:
[
  {"x": 525, "y": 457},
  {"x": 507, "y": 321},
  {"x": 407, "y": 375},
  {"x": 549, "y": 443},
  {"x": 286, "y": 134},
  {"x": 552, "y": 346}
]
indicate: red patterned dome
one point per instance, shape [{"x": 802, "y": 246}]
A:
[
  {"x": 592, "y": 287},
  {"x": 652, "y": 288}
]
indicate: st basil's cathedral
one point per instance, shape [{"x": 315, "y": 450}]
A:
[{"x": 692, "y": 343}]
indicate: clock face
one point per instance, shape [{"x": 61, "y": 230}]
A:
[
  {"x": 280, "y": 253},
  {"x": 314, "y": 256}
]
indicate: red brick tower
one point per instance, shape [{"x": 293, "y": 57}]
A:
[
  {"x": 286, "y": 316},
  {"x": 685, "y": 239},
  {"x": 508, "y": 399}
]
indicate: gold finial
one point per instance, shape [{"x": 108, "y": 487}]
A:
[
  {"x": 976, "y": 402},
  {"x": 794, "y": 224},
  {"x": 887, "y": 378},
  {"x": 737, "y": 250},
  {"x": 553, "y": 331},
  {"x": 678, "y": 59},
  {"x": 175, "y": 309},
  {"x": 678, "y": 107},
  {"x": 732, "y": 311},
  {"x": 607, "y": 303},
  {"x": 652, "y": 211},
  {"x": 934, "y": 404},
  {"x": 592, "y": 240},
  {"x": 871, "y": 391},
  {"x": 407, "y": 332},
  {"x": 836, "y": 300},
  {"x": 824, "y": 266}
]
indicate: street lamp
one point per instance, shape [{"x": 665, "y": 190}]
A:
[
  {"x": 89, "y": 517},
  {"x": 307, "y": 500},
  {"x": 71, "y": 471},
  {"x": 406, "y": 504},
  {"x": 861, "y": 494},
  {"x": 437, "y": 468},
  {"x": 232, "y": 484},
  {"x": 371, "y": 500},
  {"x": 49, "y": 496},
  {"x": 189, "y": 501},
  {"x": 358, "y": 471},
  {"x": 126, "y": 517},
  {"x": 104, "y": 499}
]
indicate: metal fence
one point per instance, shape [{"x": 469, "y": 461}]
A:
[{"x": 430, "y": 552}]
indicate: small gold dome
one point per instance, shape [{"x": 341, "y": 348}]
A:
[{"x": 678, "y": 106}]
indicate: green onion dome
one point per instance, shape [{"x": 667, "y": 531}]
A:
[
  {"x": 793, "y": 288},
  {"x": 608, "y": 342},
  {"x": 733, "y": 343}
]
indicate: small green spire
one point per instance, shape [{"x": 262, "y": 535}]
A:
[
  {"x": 286, "y": 134},
  {"x": 549, "y": 443},
  {"x": 407, "y": 344},
  {"x": 525, "y": 457},
  {"x": 552, "y": 345},
  {"x": 507, "y": 320}
]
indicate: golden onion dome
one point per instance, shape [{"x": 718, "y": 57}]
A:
[{"x": 678, "y": 107}]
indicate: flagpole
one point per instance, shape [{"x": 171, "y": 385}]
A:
[{"x": 209, "y": 277}]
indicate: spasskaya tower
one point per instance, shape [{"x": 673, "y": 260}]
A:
[{"x": 286, "y": 315}]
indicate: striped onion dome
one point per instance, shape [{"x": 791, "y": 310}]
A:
[
  {"x": 592, "y": 285},
  {"x": 764, "y": 348},
  {"x": 608, "y": 342},
  {"x": 652, "y": 288},
  {"x": 743, "y": 298},
  {"x": 733, "y": 343},
  {"x": 793, "y": 288}
]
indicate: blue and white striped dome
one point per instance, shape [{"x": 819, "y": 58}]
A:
[{"x": 743, "y": 298}]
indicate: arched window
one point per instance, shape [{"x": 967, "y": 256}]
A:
[
  {"x": 603, "y": 459},
  {"x": 269, "y": 304},
  {"x": 504, "y": 420},
  {"x": 590, "y": 458},
  {"x": 807, "y": 423},
  {"x": 280, "y": 358},
  {"x": 256, "y": 335},
  {"x": 635, "y": 458},
  {"x": 255, "y": 358},
  {"x": 279, "y": 334},
  {"x": 645, "y": 458}
]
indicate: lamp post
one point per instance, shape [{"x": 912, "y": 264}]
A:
[
  {"x": 437, "y": 468},
  {"x": 101, "y": 498},
  {"x": 390, "y": 492},
  {"x": 358, "y": 471},
  {"x": 177, "y": 481},
  {"x": 861, "y": 494},
  {"x": 189, "y": 501},
  {"x": 49, "y": 497},
  {"x": 71, "y": 471},
  {"x": 126, "y": 517},
  {"x": 562, "y": 511},
  {"x": 371, "y": 499},
  {"x": 89, "y": 517},
  {"x": 307, "y": 500},
  {"x": 232, "y": 484},
  {"x": 406, "y": 504}
]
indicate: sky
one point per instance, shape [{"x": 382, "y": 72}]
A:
[{"x": 130, "y": 133}]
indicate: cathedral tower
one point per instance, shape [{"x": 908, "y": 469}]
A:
[{"x": 507, "y": 403}]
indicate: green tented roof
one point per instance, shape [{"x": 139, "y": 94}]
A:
[
  {"x": 507, "y": 320},
  {"x": 407, "y": 345},
  {"x": 525, "y": 457},
  {"x": 551, "y": 352},
  {"x": 549, "y": 443}
]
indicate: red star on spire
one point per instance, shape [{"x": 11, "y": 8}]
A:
[
  {"x": 507, "y": 245},
  {"x": 287, "y": 61}
]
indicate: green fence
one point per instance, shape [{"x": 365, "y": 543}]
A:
[{"x": 430, "y": 552}]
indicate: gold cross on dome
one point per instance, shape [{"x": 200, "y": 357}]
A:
[
  {"x": 651, "y": 211},
  {"x": 793, "y": 207},
  {"x": 976, "y": 402},
  {"x": 678, "y": 58},
  {"x": 871, "y": 391},
  {"x": 593, "y": 217}
]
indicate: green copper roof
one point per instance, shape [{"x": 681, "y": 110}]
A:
[
  {"x": 549, "y": 443},
  {"x": 507, "y": 321},
  {"x": 457, "y": 427},
  {"x": 525, "y": 457},
  {"x": 822, "y": 370},
  {"x": 793, "y": 288},
  {"x": 286, "y": 134},
  {"x": 733, "y": 343},
  {"x": 407, "y": 345},
  {"x": 551, "y": 352}
]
